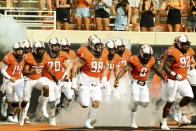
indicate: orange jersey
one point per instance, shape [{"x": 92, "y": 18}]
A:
[
  {"x": 56, "y": 65},
  {"x": 93, "y": 66},
  {"x": 124, "y": 59},
  {"x": 71, "y": 54},
  {"x": 31, "y": 60},
  {"x": 181, "y": 63},
  {"x": 14, "y": 68},
  {"x": 112, "y": 63},
  {"x": 140, "y": 71}
]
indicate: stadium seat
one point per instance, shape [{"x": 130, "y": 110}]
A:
[
  {"x": 136, "y": 27},
  {"x": 160, "y": 27},
  {"x": 45, "y": 18}
]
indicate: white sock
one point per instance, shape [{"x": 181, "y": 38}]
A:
[
  {"x": 164, "y": 120},
  {"x": 92, "y": 113},
  {"x": 133, "y": 115}
]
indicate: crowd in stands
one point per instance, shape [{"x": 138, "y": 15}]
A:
[{"x": 144, "y": 14}]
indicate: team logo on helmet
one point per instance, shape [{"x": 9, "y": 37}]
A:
[
  {"x": 110, "y": 44},
  {"x": 65, "y": 42},
  {"x": 53, "y": 41},
  {"x": 27, "y": 44}
]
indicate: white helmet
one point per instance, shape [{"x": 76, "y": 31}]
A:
[
  {"x": 94, "y": 39},
  {"x": 110, "y": 44},
  {"x": 38, "y": 44},
  {"x": 64, "y": 42},
  {"x": 53, "y": 41},
  {"x": 176, "y": 39},
  {"x": 119, "y": 42},
  {"x": 27, "y": 44},
  {"x": 146, "y": 49},
  {"x": 18, "y": 45}
]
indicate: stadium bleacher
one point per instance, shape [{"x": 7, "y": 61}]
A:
[{"x": 27, "y": 15}]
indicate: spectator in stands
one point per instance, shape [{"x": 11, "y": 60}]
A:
[
  {"x": 19, "y": 3},
  {"x": 174, "y": 15},
  {"x": 9, "y": 3},
  {"x": 123, "y": 16},
  {"x": 158, "y": 7},
  {"x": 147, "y": 9},
  {"x": 63, "y": 8},
  {"x": 191, "y": 25},
  {"x": 102, "y": 14},
  {"x": 134, "y": 9},
  {"x": 83, "y": 13},
  {"x": 41, "y": 6}
]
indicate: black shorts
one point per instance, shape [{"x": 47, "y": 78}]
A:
[
  {"x": 101, "y": 13},
  {"x": 63, "y": 14},
  {"x": 174, "y": 17}
]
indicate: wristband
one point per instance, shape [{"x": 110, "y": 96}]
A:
[{"x": 173, "y": 73}]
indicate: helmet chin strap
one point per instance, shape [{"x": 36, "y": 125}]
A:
[{"x": 95, "y": 53}]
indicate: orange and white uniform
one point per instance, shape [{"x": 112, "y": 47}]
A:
[
  {"x": 68, "y": 92},
  {"x": 14, "y": 90},
  {"x": 180, "y": 66},
  {"x": 89, "y": 77},
  {"x": 34, "y": 80},
  {"x": 109, "y": 86},
  {"x": 140, "y": 72},
  {"x": 112, "y": 63},
  {"x": 124, "y": 59},
  {"x": 57, "y": 68}
]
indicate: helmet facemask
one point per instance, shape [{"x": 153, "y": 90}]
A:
[
  {"x": 111, "y": 49},
  {"x": 38, "y": 49},
  {"x": 145, "y": 54},
  {"x": 18, "y": 50},
  {"x": 184, "y": 43},
  {"x": 95, "y": 45}
]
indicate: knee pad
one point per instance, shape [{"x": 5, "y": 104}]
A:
[
  {"x": 16, "y": 104},
  {"x": 51, "y": 104},
  {"x": 186, "y": 100},
  {"x": 168, "y": 105},
  {"x": 144, "y": 104},
  {"x": 134, "y": 106}
]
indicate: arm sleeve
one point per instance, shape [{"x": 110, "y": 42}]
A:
[{"x": 3, "y": 71}]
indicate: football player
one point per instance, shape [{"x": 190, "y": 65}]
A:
[
  {"x": 12, "y": 67},
  {"x": 93, "y": 63},
  {"x": 113, "y": 59},
  {"x": 140, "y": 66},
  {"x": 34, "y": 64},
  {"x": 124, "y": 53},
  {"x": 176, "y": 64},
  {"x": 67, "y": 92},
  {"x": 57, "y": 62}
]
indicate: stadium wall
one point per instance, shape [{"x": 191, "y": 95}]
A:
[{"x": 153, "y": 38}]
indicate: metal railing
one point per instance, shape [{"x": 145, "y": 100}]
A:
[{"x": 31, "y": 19}]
